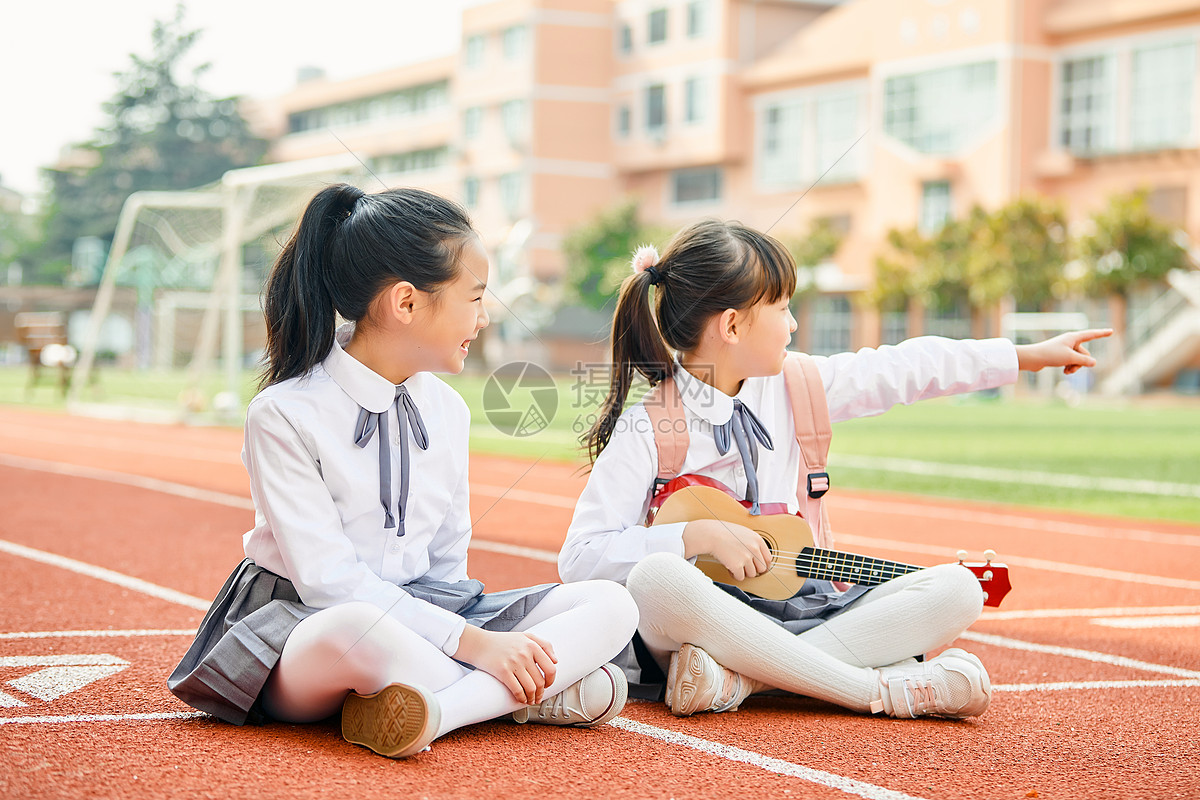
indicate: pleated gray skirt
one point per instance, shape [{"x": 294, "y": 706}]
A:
[{"x": 243, "y": 633}]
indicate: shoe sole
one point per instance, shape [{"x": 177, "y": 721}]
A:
[
  {"x": 686, "y": 677},
  {"x": 397, "y": 721}
]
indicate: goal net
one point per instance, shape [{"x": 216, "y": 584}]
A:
[{"x": 180, "y": 293}]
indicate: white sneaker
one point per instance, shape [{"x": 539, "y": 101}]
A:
[
  {"x": 397, "y": 721},
  {"x": 592, "y": 700},
  {"x": 696, "y": 682},
  {"x": 953, "y": 684}
]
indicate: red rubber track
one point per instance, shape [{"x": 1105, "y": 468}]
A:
[{"x": 1052, "y": 729}]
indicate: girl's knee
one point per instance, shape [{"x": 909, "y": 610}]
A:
[
  {"x": 960, "y": 589},
  {"x": 617, "y": 602},
  {"x": 341, "y": 627}
]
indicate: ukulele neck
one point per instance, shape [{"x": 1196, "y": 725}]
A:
[{"x": 831, "y": 565}]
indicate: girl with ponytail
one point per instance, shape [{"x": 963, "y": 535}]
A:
[
  {"x": 354, "y": 595},
  {"x": 708, "y": 326}
]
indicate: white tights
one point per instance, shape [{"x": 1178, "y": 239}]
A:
[
  {"x": 835, "y": 661},
  {"x": 355, "y": 648}
]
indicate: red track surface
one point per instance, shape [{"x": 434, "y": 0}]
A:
[{"x": 1081, "y": 709}]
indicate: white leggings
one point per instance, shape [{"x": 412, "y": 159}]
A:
[
  {"x": 355, "y": 648},
  {"x": 835, "y": 661}
]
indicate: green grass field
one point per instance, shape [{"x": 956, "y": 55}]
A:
[{"x": 1156, "y": 442}]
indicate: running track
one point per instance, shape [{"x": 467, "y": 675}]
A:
[{"x": 115, "y": 535}]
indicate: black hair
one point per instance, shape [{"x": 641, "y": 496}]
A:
[
  {"x": 707, "y": 268},
  {"x": 348, "y": 247}
]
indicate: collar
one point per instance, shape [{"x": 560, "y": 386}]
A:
[
  {"x": 704, "y": 400},
  {"x": 366, "y": 387}
]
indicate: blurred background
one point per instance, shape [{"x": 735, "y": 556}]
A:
[{"x": 952, "y": 167}]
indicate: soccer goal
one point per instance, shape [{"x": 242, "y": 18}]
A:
[{"x": 195, "y": 261}]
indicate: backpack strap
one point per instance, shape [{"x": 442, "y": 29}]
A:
[
  {"x": 665, "y": 409},
  {"x": 810, "y": 413}
]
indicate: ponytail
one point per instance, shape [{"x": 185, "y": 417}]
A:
[
  {"x": 708, "y": 267},
  {"x": 638, "y": 345},
  {"x": 348, "y": 247},
  {"x": 299, "y": 308}
]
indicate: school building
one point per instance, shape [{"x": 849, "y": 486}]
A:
[{"x": 907, "y": 111}]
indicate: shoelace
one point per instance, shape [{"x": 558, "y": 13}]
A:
[
  {"x": 735, "y": 697},
  {"x": 554, "y": 707},
  {"x": 921, "y": 695}
]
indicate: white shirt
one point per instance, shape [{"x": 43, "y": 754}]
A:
[
  {"x": 607, "y": 536},
  {"x": 318, "y": 519}
]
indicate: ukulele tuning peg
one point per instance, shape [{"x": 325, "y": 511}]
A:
[
  {"x": 989, "y": 555},
  {"x": 962, "y": 556}
]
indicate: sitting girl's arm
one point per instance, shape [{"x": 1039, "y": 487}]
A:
[
  {"x": 607, "y": 536},
  {"x": 317, "y": 558},
  {"x": 872, "y": 380}
]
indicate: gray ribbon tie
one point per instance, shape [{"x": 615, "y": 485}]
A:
[
  {"x": 744, "y": 428},
  {"x": 367, "y": 425}
]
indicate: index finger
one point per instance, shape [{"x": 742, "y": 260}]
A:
[{"x": 1092, "y": 333}]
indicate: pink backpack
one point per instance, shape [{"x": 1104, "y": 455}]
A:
[{"x": 810, "y": 413}]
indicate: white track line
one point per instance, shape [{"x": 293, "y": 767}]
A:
[
  {"x": 125, "y": 444},
  {"x": 1179, "y": 621},
  {"x": 95, "y": 634},
  {"x": 775, "y": 765},
  {"x": 976, "y": 517},
  {"x": 1055, "y": 613},
  {"x": 1022, "y": 561},
  {"x": 970, "y": 516},
  {"x": 127, "y": 479},
  {"x": 1071, "y": 652},
  {"x": 100, "y": 573},
  {"x": 1020, "y": 476},
  {"x": 103, "y": 718},
  {"x": 532, "y": 553},
  {"x": 1089, "y": 685}
]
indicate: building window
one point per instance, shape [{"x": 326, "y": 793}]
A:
[
  {"x": 472, "y": 122},
  {"x": 657, "y": 26},
  {"x": 804, "y": 136},
  {"x": 624, "y": 119},
  {"x": 696, "y": 185},
  {"x": 656, "y": 107},
  {"x": 515, "y": 116},
  {"x": 936, "y": 206},
  {"x": 400, "y": 103},
  {"x": 831, "y": 320},
  {"x": 625, "y": 39},
  {"x": 1163, "y": 82},
  {"x": 695, "y": 99},
  {"x": 515, "y": 41},
  {"x": 511, "y": 193},
  {"x": 474, "y": 50},
  {"x": 697, "y": 18},
  {"x": 471, "y": 192},
  {"x": 412, "y": 161},
  {"x": 1088, "y": 109},
  {"x": 938, "y": 111}
]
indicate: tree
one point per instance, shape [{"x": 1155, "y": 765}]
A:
[
  {"x": 816, "y": 247},
  {"x": 598, "y": 254},
  {"x": 1018, "y": 251},
  {"x": 1125, "y": 246},
  {"x": 163, "y": 133}
]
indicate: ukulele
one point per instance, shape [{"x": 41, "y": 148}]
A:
[{"x": 793, "y": 558}]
